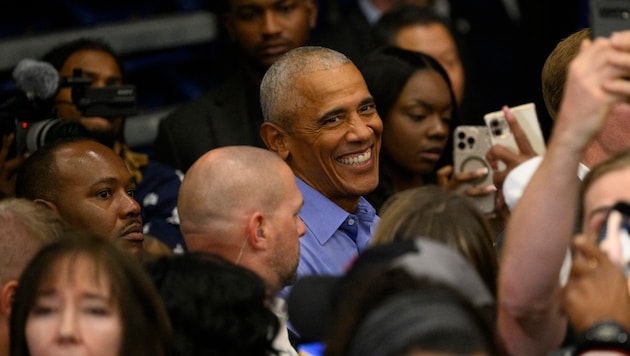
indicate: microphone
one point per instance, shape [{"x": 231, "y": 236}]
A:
[{"x": 36, "y": 79}]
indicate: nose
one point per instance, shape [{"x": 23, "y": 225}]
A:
[
  {"x": 361, "y": 128},
  {"x": 301, "y": 227},
  {"x": 437, "y": 129},
  {"x": 271, "y": 24},
  {"x": 68, "y": 332},
  {"x": 129, "y": 206}
]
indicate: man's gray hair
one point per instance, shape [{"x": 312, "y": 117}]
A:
[{"x": 278, "y": 97}]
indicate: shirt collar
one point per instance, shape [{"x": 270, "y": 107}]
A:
[
  {"x": 370, "y": 12},
  {"x": 323, "y": 217}
]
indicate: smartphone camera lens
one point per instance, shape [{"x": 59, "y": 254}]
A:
[
  {"x": 494, "y": 123},
  {"x": 461, "y": 135},
  {"x": 461, "y": 145}
]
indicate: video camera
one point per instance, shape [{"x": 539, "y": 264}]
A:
[{"x": 27, "y": 114}]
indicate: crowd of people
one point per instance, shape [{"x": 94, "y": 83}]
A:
[{"x": 308, "y": 204}]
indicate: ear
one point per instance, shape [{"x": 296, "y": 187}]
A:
[
  {"x": 6, "y": 297},
  {"x": 312, "y": 9},
  {"x": 48, "y": 204},
  {"x": 256, "y": 231},
  {"x": 275, "y": 138}
]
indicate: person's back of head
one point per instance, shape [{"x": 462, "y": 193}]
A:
[
  {"x": 394, "y": 313},
  {"x": 242, "y": 202},
  {"x": 215, "y": 307},
  {"x": 444, "y": 216},
  {"x": 79, "y": 261},
  {"x": 554, "y": 72},
  {"x": 224, "y": 186}
]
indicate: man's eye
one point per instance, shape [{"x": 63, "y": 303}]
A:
[
  {"x": 131, "y": 193},
  {"x": 332, "y": 120},
  {"x": 367, "y": 109},
  {"x": 247, "y": 14},
  {"x": 104, "y": 194}
]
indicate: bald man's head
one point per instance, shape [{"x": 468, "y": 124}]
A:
[
  {"x": 228, "y": 183},
  {"x": 243, "y": 203}
]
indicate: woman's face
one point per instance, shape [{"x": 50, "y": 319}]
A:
[
  {"x": 73, "y": 313},
  {"x": 416, "y": 129}
]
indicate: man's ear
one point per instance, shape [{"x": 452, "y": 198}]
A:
[
  {"x": 275, "y": 138},
  {"x": 7, "y": 293},
  {"x": 48, "y": 204},
  {"x": 312, "y": 8},
  {"x": 256, "y": 232}
]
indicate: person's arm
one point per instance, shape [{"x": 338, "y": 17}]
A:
[{"x": 530, "y": 320}]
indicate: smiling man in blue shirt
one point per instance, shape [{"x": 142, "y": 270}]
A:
[{"x": 321, "y": 119}]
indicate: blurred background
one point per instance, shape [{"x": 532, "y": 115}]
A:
[{"x": 174, "y": 50}]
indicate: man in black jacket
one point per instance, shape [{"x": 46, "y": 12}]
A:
[{"x": 230, "y": 114}]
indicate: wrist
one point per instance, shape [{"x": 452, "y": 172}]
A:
[{"x": 604, "y": 335}]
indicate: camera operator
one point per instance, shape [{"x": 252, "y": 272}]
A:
[{"x": 99, "y": 67}]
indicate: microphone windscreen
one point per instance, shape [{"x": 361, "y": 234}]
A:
[{"x": 36, "y": 78}]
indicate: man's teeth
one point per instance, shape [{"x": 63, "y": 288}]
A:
[{"x": 355, "y": 160}]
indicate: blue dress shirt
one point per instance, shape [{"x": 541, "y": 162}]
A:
[{"x": 333, "y": 236}]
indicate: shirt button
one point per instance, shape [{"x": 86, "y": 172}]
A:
[{"x": 350, "y": 222}]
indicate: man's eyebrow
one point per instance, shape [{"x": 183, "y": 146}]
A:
[
  {"x": 333, "y": 112},
  {"x": 338, "y": 111}
]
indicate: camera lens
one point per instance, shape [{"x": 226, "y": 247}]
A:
[
  {"x": 461, "y": 145},
  {"x": 461, "y": 135},
  {"x": 494, "y": 123},
  {"x": 46, "y": 131}
]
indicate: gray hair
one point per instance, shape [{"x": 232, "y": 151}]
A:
[
  {"x": 278, "y": 97},
  {"x": 25, "y": 226}
]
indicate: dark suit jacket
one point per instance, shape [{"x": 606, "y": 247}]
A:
[
  {"x": 351, "y": 36},
  {"x": 228, "y": 115}
]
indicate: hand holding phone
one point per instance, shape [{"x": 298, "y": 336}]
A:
[{"x": 470, "y": 146}]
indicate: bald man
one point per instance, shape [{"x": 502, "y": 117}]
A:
[
  {"x": 88, "y": 186},
  {"x": 24, "y": 228},
  {"x": 242, "y": 202}
]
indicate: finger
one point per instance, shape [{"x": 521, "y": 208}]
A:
[
  {"x": 501, "y": 153},
  {"x": 586, "y": 257},
  {"x": 7, "y": 141},
  {"x": 443, "y": 175},
  {"x": 476, "y": 191},
  {"x": 522, "y": 142},
  {"x": 468, "y": 176}
]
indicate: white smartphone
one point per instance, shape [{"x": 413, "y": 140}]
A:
[
  {"x": 470, "y": 144},
  {"x": 527, "y": 119}
]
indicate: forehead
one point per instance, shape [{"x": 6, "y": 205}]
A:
[
  {"x": 341, "y": 87},
  {"x": 89, "y": 160},
  {"x": 424, "y": 37},
  {"x": 235, "y": 4},
  {"x": 427, "y": 83},
  {"x": 608, "y": 189},
  {"x": 77, "y": 271},
  {"x": 90, "y": 60}
]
